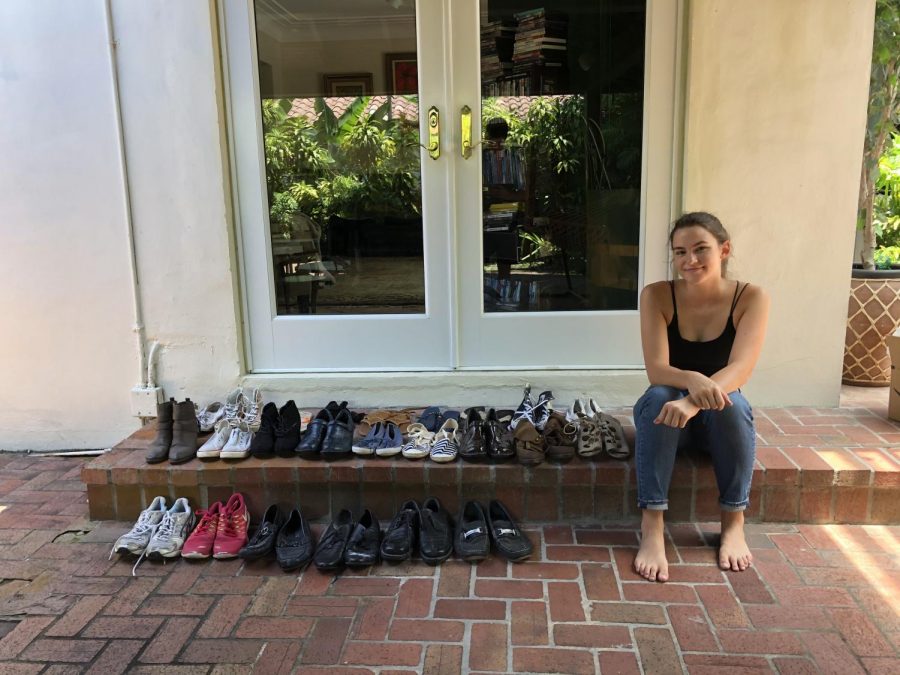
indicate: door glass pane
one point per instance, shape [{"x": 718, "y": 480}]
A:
[
  {"x": 562, "y": 105},
  {"x": 338, "y": 85}
]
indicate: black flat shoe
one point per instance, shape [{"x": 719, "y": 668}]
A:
[
  {"x": 311, "y": 443},
  {"x": 338, "y": 442},
  {"x": 401, "y": 536},
  {"x": 294, "y": 549},
  {"x": 471, "y": 445},
  {"x": 365, "y": 542},
  {"x": 263, "y": 443},
  {"x": 498, "y": 439},
  {"x": 263, "y": 542},
  {"x": 472, "y": 542},
  {"x": 435, "y": 532},
  {"x": 329, "y": 554},
  {"x": 287, "y": 432},
  {"x": 508, "y": 539}
]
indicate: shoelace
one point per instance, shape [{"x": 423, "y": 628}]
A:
[
  {"x": 419, "y": 438},
  {"x": 165, "y": 529},
  {"x": 540, "y": 412},
  {"x": 251, "y": 409},
  {"x": 206, "y": 521},
  {"x": 228, "y": 525},
  {"x": 141, "y": 527}
]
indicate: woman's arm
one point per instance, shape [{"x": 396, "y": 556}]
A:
[{"x": 748, "y": 343}]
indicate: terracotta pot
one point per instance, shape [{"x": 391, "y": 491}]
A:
[{"x": 872, "y": 314}]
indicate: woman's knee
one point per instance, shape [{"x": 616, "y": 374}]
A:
[
  {"x": 740, "y": 411},
  {"x": 655, "y": 398}
]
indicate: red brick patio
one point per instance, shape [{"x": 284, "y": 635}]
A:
[{"x": 820, "y": 598}]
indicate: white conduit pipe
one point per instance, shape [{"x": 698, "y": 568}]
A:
[{"x": 138, "y": 327}]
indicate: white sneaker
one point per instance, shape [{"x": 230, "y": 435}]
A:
[
  {"x": 136, "y": 539},
  {"x": 172, "y": 532},
  {"x": 253, "y": 405},
  {"x": 418, "y": 444},
  {"x": 214, "y": 444},
  {"x": 209, "y": 415},
  {"x": 446, "y": 446},
  {"x": 234, "y": 406},
  {"x": 238, "y": 444}
]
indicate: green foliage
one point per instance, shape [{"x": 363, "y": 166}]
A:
[
  {"x": 886, "y": 256},
  {"x": 886, "y": 205},
  {"x": 352, "y": 166}
]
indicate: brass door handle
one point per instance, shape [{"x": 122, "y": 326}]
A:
[
  {"x": 434, "y": 133},
  {"x": 465, "y": 121}
]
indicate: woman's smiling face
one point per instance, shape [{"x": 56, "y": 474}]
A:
[{"x": 697, "y": 254}]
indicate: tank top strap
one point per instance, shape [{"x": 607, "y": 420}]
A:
[
  {"x": 737, "y": 296},
  {"x": 674, "y": 306}
]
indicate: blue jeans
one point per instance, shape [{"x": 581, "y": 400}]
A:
[{"x": 727, "y": 435}]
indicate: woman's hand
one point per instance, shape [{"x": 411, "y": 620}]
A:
[
  {"x": 706, "y": 394},
  {"x": 677, "y": 413}
]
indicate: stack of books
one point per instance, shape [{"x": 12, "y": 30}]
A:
[
  {"x": 501, "y": 217},
  {"x": 497, "y": 39},
  {"x": 540, "y": 39}
]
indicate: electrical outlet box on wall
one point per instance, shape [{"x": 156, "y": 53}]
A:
[{"x": 144, "y": 401}]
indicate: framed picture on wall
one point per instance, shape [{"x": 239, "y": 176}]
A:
[
  {"x": 401, "y": 73},
  {"x": 347, "y": 84}
]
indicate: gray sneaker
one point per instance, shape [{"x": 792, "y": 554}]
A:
[
  {"x": 172, "y": 532},
  {"x": 135, "y": 540}
]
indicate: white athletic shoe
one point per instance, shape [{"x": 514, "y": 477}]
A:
[
  {"x": 136, "y": 539},
  {"x": 238, "y": 445},
  {"x": 214, "y": 444}
]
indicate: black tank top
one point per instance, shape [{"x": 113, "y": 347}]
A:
[{"x": 707, "y": 357}]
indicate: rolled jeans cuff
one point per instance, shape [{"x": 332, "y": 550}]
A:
[
  {"x": 740, "y": 506},
  {"x": 653, "y": 506}
]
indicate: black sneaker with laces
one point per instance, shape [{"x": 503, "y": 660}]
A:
[
  {"x": 540, "y": 413},
  {"x": 509, "y": 540},
  {"x": 435, "y": 532},
  {"x": 263, "y": 443},
  {"x": 400, "y": 539},
  {"x": 330, "y": 551},
  {"x": 472, "y": 542},
  {"x": 287, "y": 433},
  {"x": 364, "y": 545}
]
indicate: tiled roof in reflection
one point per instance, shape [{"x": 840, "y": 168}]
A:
[{"x": 400, "y": 106}]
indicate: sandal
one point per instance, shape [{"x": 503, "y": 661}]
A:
[
  {"x": 530, "y": 447},
  {"x": 561, "y": 437}
]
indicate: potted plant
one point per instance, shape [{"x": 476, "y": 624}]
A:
[{"x": 874, "y": 307}]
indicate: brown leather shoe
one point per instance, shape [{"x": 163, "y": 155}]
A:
[
  {"x": 561, "y": 436},
  {"x": 530, "y": 447},
  {"x": 158, "y": 451}
]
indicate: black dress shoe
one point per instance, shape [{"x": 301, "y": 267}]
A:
[
  {"x": 435, "y": 532},
  {"x": 263, "y": 443},
  {"x": 287, "y": 433},
  {"x": 364, "y": 544},
  {"x": 498, "y": 441},
  {"x": 330, "y": 551},
  {"x": 311, "y": 443},
  {"x": 400, "y": 539},
  {"x": 509, "y": 540},
  {"x": 263, "y": 542},
  {"x": 472, "y": 542},
  {"x": 294, "y": 549},
  {"x": 471, "y": 445},
  {"x": 338, "y": 442}
]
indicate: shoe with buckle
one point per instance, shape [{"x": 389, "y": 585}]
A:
[
  {"x": 263, "y": 444},
  {"x": 560, "y": 437},
  {"x": 294, "y": 548},
  {"x": 263, "y": 541},
  {"x": 435, "y": 532},
  {"x": 329, "y": 554},
  {"x": 509, "y": 541},
  {"x": 199, "y": 545},
  {"x": 498, "y": 438},
  {"x": 338, "y": 441},
  {"x": 364, "y": 545},
  {"x": 231, "y": 535},
  {"x": 472, "y": 444},
  {"x": 530, "y": 449},
  {"x": 287, "y": 432},
  {"x": 400, "y": 539},
  {"x": 472, "y": 541}
]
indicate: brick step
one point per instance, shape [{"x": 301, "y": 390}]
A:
[{"x": 790, "y": 484}]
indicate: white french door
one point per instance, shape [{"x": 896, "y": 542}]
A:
[{"x": 521, "y": 264}]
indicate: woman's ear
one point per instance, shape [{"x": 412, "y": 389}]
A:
[{"x": 726, "y": 250}]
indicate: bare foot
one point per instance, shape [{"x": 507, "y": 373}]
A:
[
  {"x": 734, "y": 554},
  {"x": 650, "y": 561}
]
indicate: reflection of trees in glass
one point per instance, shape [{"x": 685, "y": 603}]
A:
[{"x": 353, "y": 166}]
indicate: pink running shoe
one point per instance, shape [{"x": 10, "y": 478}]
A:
[
  {"x": 200, "y": 544},
  {"x": 234, "y": 522}
]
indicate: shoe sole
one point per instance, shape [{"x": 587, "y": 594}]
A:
[
  {"x": 330, "y": 568},
  {"x": 208, "y": 455},
  {"x": 363, "y": 452},
  {"x": 521, "y": 558},
  {"x": 415, "y": 456},
  {"x": 308, "y": 454},
  {"x": 388, "y": 452},
  {"x": 224, "y": 556},
  {"x": 159, "y": 557},
  {"x": 474, "y": 558},
  {"x": 234, "y": 455},
  {"x": 182, "y": 461},
  {"x": 435, "y": 561},
  {"x": 195, "y": 556},
  {"x": 442, "y": 460},
  {"x": 296, "y": 568},
  {"x": 396, "y": 558},
  {"x": 332, "y": 456},
  {"x": 157, "y": 461}
]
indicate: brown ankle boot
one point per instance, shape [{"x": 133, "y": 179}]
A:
[
  {"x": 159, "y": 448},
  {"x": 185, "y": 428}
]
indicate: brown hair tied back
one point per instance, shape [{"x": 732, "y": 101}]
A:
[{"x": 708, "y": 222}]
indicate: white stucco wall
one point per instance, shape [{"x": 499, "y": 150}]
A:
[
  {"x": 775, "y": 121},
  {"x": 67, "y": 353}
]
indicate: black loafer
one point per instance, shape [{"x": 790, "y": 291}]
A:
[
  {"x": 472, "y": 542},
  {"x": 400, "y": 539},
  {"x": 311, "y": 443},
  {"x": 294, "y": 549},
  {"x": 365, "y": 542},
  {"x": 471, "y": 446},
  {"x": 338, "y": 442},
  {"x": 435, "y": 532},
  {"x": 497, "y": 436},
  {"x": 509, "y": 540},
  {"x": 330, "y": 551},
  {"x": 263, "y": 542}
]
